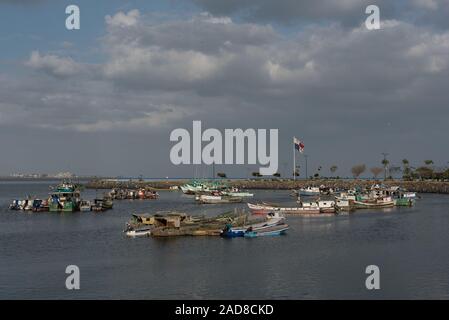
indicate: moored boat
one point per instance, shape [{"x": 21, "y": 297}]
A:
[
  {"x": 205, "y": 199},
  {"x": 138, "y": 232},
  {"x": 15, "y": 205},
  {"x": 85, "y": 205},
  {"x": 66, "y": 198},
  {"x": 271, "y": 231},
  {"x": 231, "y": 232},
  {"x": 309, "y": 191},
  {"x": 343, "y": 205},
  {"x": 40, "y": 205},
  {"x": 379, "y": 203},
  {"x": 306, "y": 209}
]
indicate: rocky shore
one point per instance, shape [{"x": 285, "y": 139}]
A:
[{"x": 280, "y": 184}]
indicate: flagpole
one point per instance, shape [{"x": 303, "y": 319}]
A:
[{"x": 294, "y": 161}]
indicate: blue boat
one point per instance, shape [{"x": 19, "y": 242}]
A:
[
  {"x": 271, "y": 231},
  {"x": 230, "y": 232}
]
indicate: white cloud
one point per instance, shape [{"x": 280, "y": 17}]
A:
[
  {"x": 123, "y": 20},
  {"x": 201, "y": 65},
  {"x": 54, "y": 65}
]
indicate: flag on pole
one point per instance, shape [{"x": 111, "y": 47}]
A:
[{"x": 298, "y": 144}]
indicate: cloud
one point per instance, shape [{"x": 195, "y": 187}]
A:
[
  {"x": 123, "y": 20},
  {"x": 348, "y": 12},
  {"x": 345, "y": 12},
  {"x": 54, "y": 65},
  {"x": 337, "y": 86},
  {"x": 253, "y": 66}
]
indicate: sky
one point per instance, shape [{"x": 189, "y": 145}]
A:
[{"x": 103, "y": 100}]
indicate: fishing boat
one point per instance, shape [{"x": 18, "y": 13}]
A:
[
  {"x": 174, "y": 188},
  {"x": 66, "y": 198},
  {"x": 349, "y": 195},
  {"x": 235, "y": 192},
  {"x": 40, "y": 205},
  {"x": 342, "y": 205},
  {"x": 28, "y": 205},
  {"x": 196, "y": 186},
  {"x": 138, "y": 232},
  {"x": 85, "y": 205},
  {"x": 271, "y": 231},
  {"x": 97, "y": 206},
  {"x": 306, "y": 209},
  {"x": 107, "y": 203},
  {"x": 15, "y": 205},
  {"x": 378, "y": 203},
  {"x": 231, "y": 232},
  {"x": 100, "y": 205},
  {"x": 309, "y": 191},
  {"x": 206, "y": 199},
  {"x": 326, "y": 206}
]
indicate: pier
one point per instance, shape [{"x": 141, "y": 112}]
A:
[{"x": 278, "y": 184}]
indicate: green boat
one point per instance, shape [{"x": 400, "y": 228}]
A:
[{"x": 66, "y": 198}]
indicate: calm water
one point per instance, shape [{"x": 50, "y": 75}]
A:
[{"x": 319, "y": 258}]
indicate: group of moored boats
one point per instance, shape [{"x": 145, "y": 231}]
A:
[
  {"x": 228, "y": 225},
  {"x": 214, "y": 193},
  {"x": 332, "y": 202},
  {"x": 133, "y": 194},
  {"x": 262, "y": 219},
  {"x": 66, "y": 197}
]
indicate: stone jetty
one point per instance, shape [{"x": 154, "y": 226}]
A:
[{"x": 278, "y": 184}]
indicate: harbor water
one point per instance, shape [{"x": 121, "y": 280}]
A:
[{"x": 318, "y": 258}]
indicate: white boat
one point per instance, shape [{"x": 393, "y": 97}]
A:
[
  {"x": 237, "y": 194},
  {"x": 28, "y": 205},
  {"x": 309, "y": 191},
  {"x": 264, "y": 209},
  {"x": 409, "y": 195},
  {"x": 349, "y": 195},
  {"x": 385, "y": 202},
  {"x": 342, "y": 205},
  {"x": 326, "y": 206},
  {"x": 85, "y": 205},
  {"x": 231, "y": 232},
  {"x": 207, "y": 199},
  {"x": 140, "y": 232}
]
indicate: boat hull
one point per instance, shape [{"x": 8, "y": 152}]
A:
[
  {"x": 367, "y": 205},
  {"x": 269, "y": 232}
]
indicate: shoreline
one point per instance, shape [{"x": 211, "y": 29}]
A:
[{"x": 415, "y": 186}]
